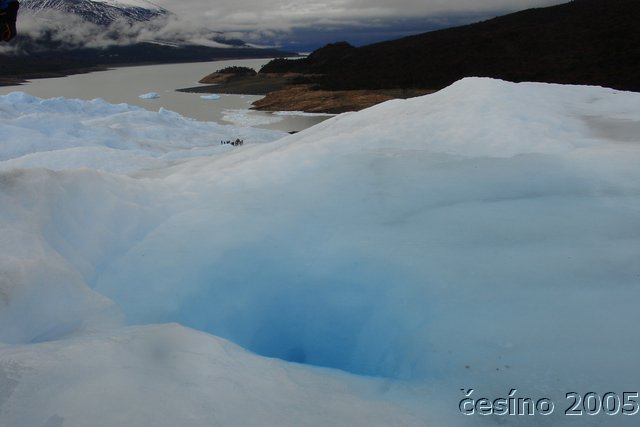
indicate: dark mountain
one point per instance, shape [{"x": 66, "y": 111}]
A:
[
  {"x": 595, "y": 42},
  {"x": 52, "y": 63}
]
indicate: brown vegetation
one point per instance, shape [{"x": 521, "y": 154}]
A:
[
  {"x": 228, "y": 74},
  {"x": 305, "y": 98}
]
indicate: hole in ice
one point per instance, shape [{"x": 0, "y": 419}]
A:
[
  {"x": 346, "y": 320},
  {"x": 338, "y": 313}
]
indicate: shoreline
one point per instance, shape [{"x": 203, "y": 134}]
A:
[
  {"x": 282, "y": 93},
  {"x": 14, "y": 79},
  {"x": 255, "y": 85}
]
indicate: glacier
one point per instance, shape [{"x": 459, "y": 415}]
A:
[{"x": 365, "y": 271}]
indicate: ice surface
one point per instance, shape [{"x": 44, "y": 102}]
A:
[
  {"x": 485, "y": 236},
  {"x": 167, "y": 376},
  {"x": 64, "y": 134},
  {"x": 210, "y": 97},
  {"x": 150, "y": 95}
]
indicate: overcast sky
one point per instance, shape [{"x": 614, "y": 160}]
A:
[
  {"x": 299, "y": 22},
  {"x": 294, "y": 25},
  {"x": 284, "y": 14}
]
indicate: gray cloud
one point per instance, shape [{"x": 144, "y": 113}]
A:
[
  {"x": 287, "y": 14},
  {"x": 285, "y": 22},
  {"x": 72, "y": 31}
]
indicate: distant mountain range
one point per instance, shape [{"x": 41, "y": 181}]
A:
[
  {"x": 105, "y": 14},
  {"x": 60, "y": 37},
  {"x": 594, "y": 42},
  {"x": 100, "y": 12}
]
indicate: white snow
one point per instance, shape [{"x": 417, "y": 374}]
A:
[
  {"x": 143, "y": 4},
  {"x": 168, "y": 376},
  {"x": 486, "y": 237},
  {"x": 63, "y": 134},
  {"x": 211, "y": 97},
  {"x": 150, "y": 95}
]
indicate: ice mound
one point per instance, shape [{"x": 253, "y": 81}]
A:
[
  {"x": 150, "y": 95},
  {"x": 167, "y": 376},
  {"x": 210, "y": 97}
]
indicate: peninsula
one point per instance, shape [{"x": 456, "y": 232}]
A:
[{"x": 294, "y": 91}]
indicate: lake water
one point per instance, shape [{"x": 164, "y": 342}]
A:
[{"x": 126, "y": 84}]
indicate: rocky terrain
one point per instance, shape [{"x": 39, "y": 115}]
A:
[
  {"x": 285, "y": 92},
  {"x": 306, "y": 98}
]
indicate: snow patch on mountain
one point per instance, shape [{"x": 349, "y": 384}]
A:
[
  {"x": 100, "y": 12},
  {"x": 142, "y": 4}
]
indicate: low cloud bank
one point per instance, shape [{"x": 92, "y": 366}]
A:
[{"x": 72, "y": 31}]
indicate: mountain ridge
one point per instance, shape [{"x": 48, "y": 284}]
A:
[
  {"x": 76, "y": 36},
  {"x": 100, "y": 12},
  {"x": 593, "y": 42}
]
